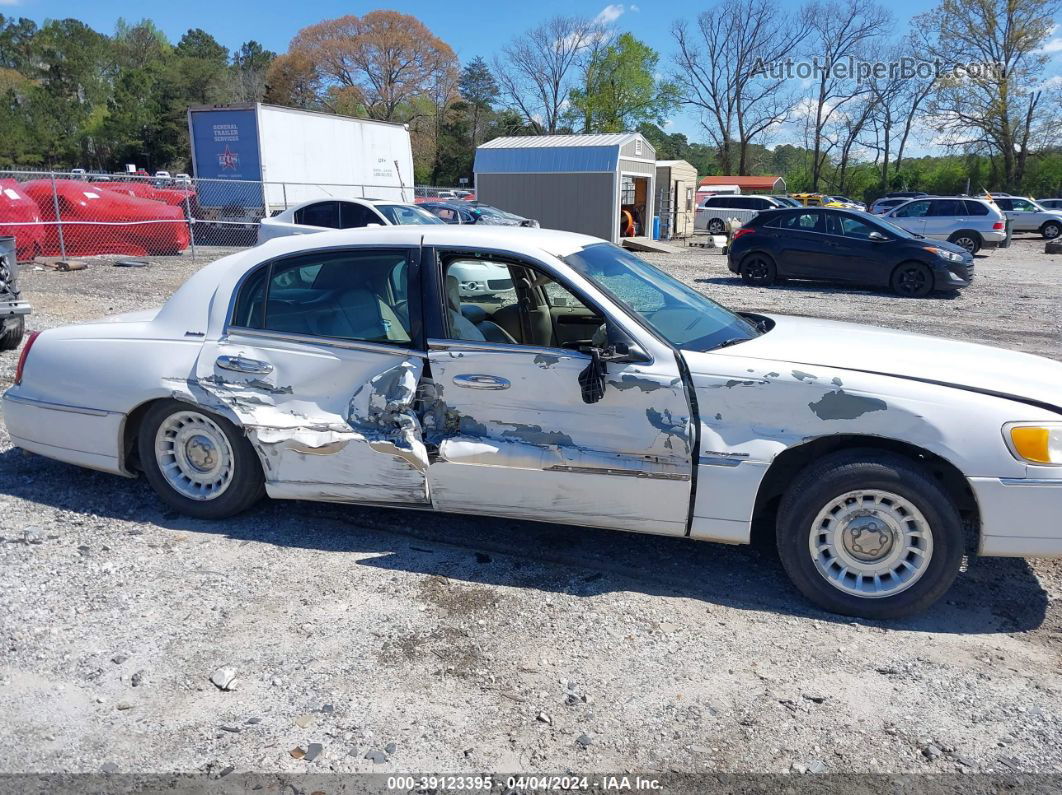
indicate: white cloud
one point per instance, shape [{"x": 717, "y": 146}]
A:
[
  {"x": 1052, "y": 45},
  {"x": 633, "y": 8},
  {"x": 609, "y": 14},
  {"x": 9, "y": 2}
]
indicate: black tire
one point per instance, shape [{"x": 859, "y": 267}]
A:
[
  {"x": 833, "y": 477},
  {"x": 758, "y": 270},
  {"x": 716, "y": 227},
  {"x": 245, "y": 487},
  {"x": 968, "y": 239},
  {"x": 912, "y": 280},
  {"x": 1051, "y": 230},
  {"x": 12, "y": 336}
]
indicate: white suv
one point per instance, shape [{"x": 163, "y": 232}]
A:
[
  {"x": 712, "y": 213},
  {"x": 971, "y": 223},
  {"x": 1028, "y": 216}
]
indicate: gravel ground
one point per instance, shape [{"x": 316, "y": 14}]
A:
[{"x": 407, "y": 641}]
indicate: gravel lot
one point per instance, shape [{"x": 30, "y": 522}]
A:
[{"x": 406, "y": 641}]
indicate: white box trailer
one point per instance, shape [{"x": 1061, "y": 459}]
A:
[{"x": 297, "y": 155}]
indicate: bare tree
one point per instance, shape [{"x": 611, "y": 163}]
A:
[
  {"x": 722, "y": 68},
  {"x": 536, "y": 71},
  {"x": 841, "y": 29},
  {"x": 1004, "y": 111}
]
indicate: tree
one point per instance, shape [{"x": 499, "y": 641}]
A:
[
  {"x": 723, "y": 70},
  {"x": 383, "y": 62},
  {"x": 1004, "y": 110},
  {"x": 480, "y": 91},
  {"x": 841, "y": 29},
  {"x": 536, "y": 71},
  {"x": 250, "y": 65},
  {"x": 621, "y": 90},
  {"x": 292, "y": 80}
]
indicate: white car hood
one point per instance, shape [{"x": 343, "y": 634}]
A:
[{"x": 849, "y": 346}]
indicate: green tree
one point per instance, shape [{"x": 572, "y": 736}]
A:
[{"x": 621, "y": 90}]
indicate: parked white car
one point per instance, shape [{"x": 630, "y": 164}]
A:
[
  {"x": 321, "y": 215},
  {"x": 341, "y": 367},
  {"x": 713, "y": 212},
  {"x": 1025, "y": 215}
]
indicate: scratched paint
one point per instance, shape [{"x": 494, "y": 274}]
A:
[{"x": 840, "y": 405}]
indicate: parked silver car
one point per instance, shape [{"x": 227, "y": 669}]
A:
[
  {"x": 884, "y": 204},
  {"x": 13, "y": 309},
  {"x": 1028, "y": 216},
  {"x": 713, "y": 213},
  {"x": 1050, "y": 204},
  {"x": 971, "y": 223}
]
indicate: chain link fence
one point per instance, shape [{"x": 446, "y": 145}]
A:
[{"x": 73, "y": 214}]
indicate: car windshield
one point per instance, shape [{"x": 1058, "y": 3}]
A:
[
  {"x": 680, "y": 314},
  {"x": 407, "y": 214}
]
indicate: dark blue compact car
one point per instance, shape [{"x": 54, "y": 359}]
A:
[{"x": 845, "y": 246}]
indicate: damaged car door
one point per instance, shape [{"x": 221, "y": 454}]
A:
[
  {"x": 318, "y": 363},
  {"x": 511, "y": 427}
]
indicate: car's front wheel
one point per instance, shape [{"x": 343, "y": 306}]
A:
[
  {"x": 1051, "y": 230},
  {"x": 197, "y": 462},
  {"x": 716, "y": 227},
  {"x": 759, "y": 270},
  {"x": 869, "y": 534},
  {"x": 912, "y": 280}
]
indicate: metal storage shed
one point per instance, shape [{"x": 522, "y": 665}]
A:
[
  {"x": 578, "y": 183},
  {"x": 676, "y": 194}
]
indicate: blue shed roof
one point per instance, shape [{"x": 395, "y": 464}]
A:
[{"x": 551, "y": 154}]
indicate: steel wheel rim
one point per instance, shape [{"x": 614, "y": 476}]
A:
[
  {"x": 194, "y": 455},
  {"x": 967, "y": 243},
  {"x": 871, "y": 543},
  {"x": 912, "y": 280}
]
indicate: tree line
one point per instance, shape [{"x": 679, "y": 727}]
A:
[{"x": 76, "y": 97}]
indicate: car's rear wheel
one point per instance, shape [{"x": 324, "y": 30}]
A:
[
  {"x": 13, "y": 334},
  {"x": 716, "y": 227},
  {"x": 197, "y": 462},
  {"x": 1051, "y": 230},
  {"x": 758, "y": 270},
  {"x": 971, "y": 241},
  {"x": 912, "y": 280},
  {"x": 869, "y": 534}
]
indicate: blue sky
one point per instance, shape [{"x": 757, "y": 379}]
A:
[{"x": 471, "y": 28}]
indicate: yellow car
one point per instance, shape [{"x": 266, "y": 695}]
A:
[{"x": 818, "y": 200}]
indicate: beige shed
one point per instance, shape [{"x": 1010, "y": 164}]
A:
[{"x": 676, "y": 193}]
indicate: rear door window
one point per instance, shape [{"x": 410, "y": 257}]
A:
[
  {"x": 324, "y": 214},
  {"x": 811, "y": 221},
  {"x": 352, "y": 295},
  {"x": 353, "y": 215},
  {"x": 947, "y": 207},
  {"x": 975, "y": 208}
]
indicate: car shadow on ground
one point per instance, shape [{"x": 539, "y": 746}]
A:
[
  {"x": 995, "y": 596},
  {"x": 809, "y": 286}
]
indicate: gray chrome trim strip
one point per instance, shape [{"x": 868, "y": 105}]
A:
[
  {"x": 501, "y": 347},
  {"x": 329, "y": 342},
  {"x": 43, "y": 404},
  {"x": 1057, "y": 483}
]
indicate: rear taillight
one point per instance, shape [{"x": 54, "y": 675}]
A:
[
  {"x": 742, "y": 231},
  {"x": 32, "y": 338},
  {"x": 999, "y": 226}
]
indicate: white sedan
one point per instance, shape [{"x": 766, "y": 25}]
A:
[
  {"x": 320, "y": 215},
  {"x": 343, "y": 366}
]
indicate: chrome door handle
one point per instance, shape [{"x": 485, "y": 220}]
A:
[
  {"x": 476, "y": 381},
  {"x": 241, "y": 365}
]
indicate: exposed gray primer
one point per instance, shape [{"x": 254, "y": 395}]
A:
[
  {"x": 837, "y": 382},
  {"x": 840, "y": 405},
  {"x": 772, "y": 375},
  {"x": 533, "y": 434},
  {"x": 800, "y": 375},
  {"x": 630, "y": 381},
  {"x": 546, "y": 360},
  {"x": 673, "y": 428}
]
